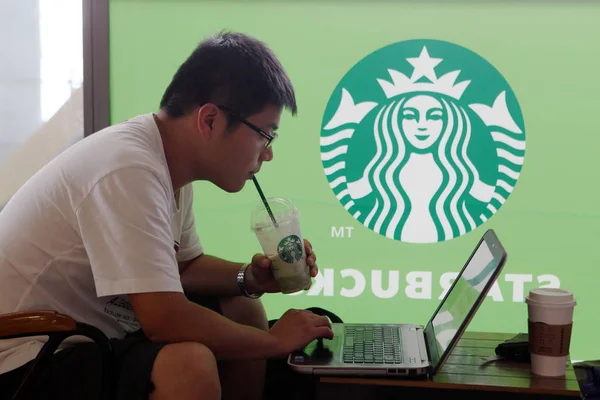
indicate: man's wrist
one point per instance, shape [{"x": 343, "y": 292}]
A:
[{"x": 246, "y": 284}]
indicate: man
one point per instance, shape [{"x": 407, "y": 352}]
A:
[{"x": 105, "y": 234}]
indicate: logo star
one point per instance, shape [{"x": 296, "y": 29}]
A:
[{"x": 424, "y": 66}]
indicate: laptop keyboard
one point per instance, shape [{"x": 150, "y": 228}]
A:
[{"x": 372, "y": 344}]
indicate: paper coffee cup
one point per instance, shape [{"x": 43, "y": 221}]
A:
[{"x": 550, "y": 324}]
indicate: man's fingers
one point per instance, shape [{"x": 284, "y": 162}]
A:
[
  {"x": 322, "y": 321},
  {"x": 261, "y": 260},
  {"x": 324, "y": 332},
  {"x": 307, "y": 246}
]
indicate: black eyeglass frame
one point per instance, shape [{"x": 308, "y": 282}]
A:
[{"x": 269, "y": 136}]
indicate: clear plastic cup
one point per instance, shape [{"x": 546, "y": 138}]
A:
[{"x": 282, "y": 242}]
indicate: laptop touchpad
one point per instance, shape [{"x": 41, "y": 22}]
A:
[{"x": 321, "y": 350}]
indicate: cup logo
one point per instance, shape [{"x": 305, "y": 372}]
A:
[
  {"x": 289, "y": 249},
  {"x": 422, "y": 141}
]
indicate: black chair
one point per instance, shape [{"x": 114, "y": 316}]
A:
[{"x": 57, "y": 327}]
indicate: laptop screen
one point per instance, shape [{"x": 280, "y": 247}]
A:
[{"x": 460, "y": 300}]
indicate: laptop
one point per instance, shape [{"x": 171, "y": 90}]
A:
[{"x": 408, "y": 350}]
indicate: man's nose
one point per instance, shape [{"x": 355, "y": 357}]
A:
[{"x": 267, "y": 154}]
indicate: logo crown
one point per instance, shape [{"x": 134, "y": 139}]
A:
[{"x": 424, "y": 66}]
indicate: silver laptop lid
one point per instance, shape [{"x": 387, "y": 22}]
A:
[{"x": 463, "y": 298}]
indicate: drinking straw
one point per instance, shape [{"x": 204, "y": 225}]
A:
[{"x": 264, "y": 200}]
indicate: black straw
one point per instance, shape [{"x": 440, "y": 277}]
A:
[{"x": 264, "y": 200}]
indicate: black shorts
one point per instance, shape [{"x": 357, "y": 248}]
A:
[{"x": 75, "y": 372}]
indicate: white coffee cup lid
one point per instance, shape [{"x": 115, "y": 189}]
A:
[
  {"x": 550, "y": 296},
  {"x": 282, "y": 209}
]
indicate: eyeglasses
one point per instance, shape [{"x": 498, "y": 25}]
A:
[{"x": 269, "y": 136}]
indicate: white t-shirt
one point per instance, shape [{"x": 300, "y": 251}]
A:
[{"x": 98, "y": 222}]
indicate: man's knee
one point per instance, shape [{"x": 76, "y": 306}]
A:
[
  {"x": 244, "y": 310},
  {"x": 190, "y": 366}
]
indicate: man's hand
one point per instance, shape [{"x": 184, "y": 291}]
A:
[
  {"x": 259, "y": 277},
  {"x": 297, "y": 328}
]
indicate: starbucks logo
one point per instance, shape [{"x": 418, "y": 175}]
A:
[
  {"x": 290, "y": 249},
  {"x": 422, "y": 141}
]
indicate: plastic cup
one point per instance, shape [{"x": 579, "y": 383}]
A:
[
  {"x": 283, "y": 243},
  {"x": 550, "y": 324}
]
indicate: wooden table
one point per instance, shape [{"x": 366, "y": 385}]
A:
[{"x": 467, "y": 371}]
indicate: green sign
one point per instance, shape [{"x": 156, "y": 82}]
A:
[
  {"x": 422, "y": 141},
  {"x": 444, "y": 98}
]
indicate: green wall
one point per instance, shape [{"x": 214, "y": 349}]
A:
[{"x": 550, "y": 225}]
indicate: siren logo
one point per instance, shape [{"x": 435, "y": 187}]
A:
[
  {"x": 289, "y": 249},
  {"x": 422, "y": 141}
]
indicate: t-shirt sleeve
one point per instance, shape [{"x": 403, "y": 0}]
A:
[
  {"x": 190, "y": 246},
  {"x": 124, "y": 223}
]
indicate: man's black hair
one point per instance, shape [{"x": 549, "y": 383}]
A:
[{"x": 233, "y": 70}]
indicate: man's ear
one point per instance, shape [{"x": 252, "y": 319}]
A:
[{"x": 207, "y": 118}]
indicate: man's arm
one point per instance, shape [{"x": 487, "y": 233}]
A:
[
  {"x": 210, "y": 275},
  {"x": 168, "y": 317}
]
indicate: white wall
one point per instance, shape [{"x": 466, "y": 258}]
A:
[
  {"x": 41, "y": 76},
  {"x": 20, "y": 109}
]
